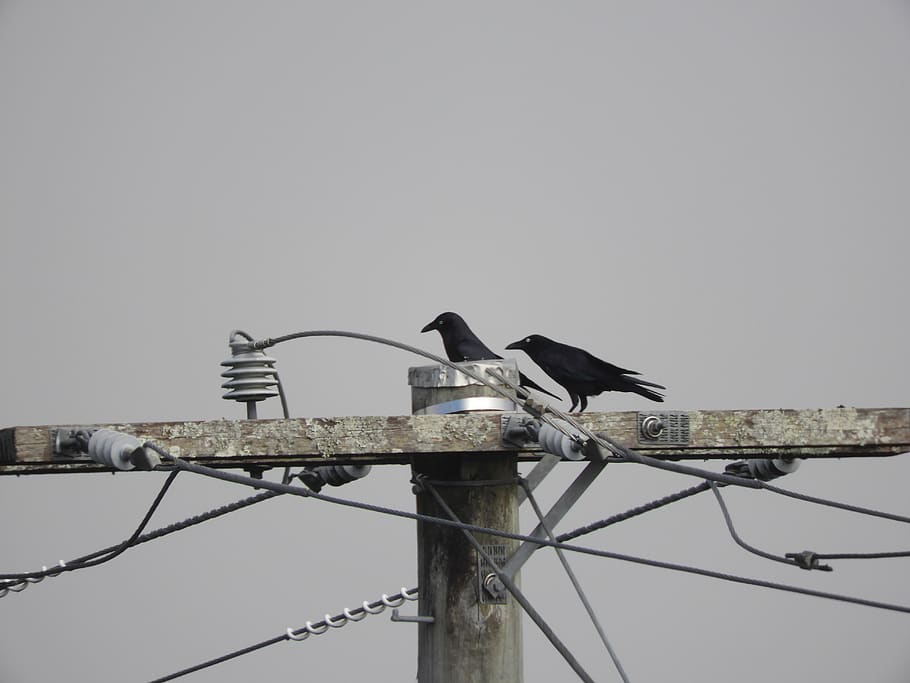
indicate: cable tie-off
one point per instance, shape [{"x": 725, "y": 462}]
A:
[{"x": 808, "y": 560}]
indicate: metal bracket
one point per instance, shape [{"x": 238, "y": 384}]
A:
[
  {"x": 518, "y": 430},
  {"x": 417, "y": 619},
  {"x": 569, "y": 497},
  {"x": 489, "y": 587},
  {"x": 69, "y": 443},
  {"x": 664, "y": 428}
]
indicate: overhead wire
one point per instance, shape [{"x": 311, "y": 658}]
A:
[
  {"x": 13, "y": 581},
  {"x": 512, "y": 587},
  {"x": 187, "y": 466},
  {"x": 575, "y": 583},
  {"x": 299, "y": 634},
  {"x": 531, "y": 407},
  {"x": 634, "y": 512},
  {"x": 861, "y": 556},
  {"x": 629, "y": 455},
  {"x": 752, "y": 549},
  {"x": 834, "y": 504},
  {"x": 144, "y": 538}
]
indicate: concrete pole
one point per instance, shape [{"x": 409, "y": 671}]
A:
[{"x": 475, "y": 637}]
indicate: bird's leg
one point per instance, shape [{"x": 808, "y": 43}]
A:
[
  {"x": 584, "y": 404},
  {"x": 574, "y": 401}
]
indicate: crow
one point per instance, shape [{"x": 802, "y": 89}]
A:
[
  {"x": 462, "y": 344},
  {"x": 580, "y": 373}
]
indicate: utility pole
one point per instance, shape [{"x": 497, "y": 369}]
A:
[{"x": 475, "y": 635}]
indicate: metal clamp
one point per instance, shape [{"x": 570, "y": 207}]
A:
[
  {"x": 518, "y": 430},
  {"x": 663, "y": 428}
]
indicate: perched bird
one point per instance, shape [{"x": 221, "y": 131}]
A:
[
  {"x": 462, "y": 344},
  {"x": 580, "y": 373}
]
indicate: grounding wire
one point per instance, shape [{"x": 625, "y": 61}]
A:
[
  {"x": 304, "y": 632},
  {"x": 89, "y": 560},
  {"x": 745, "y": 546},
  {"x": 575, "y": 583},
  {"x": 511, "y": 586},
  {"x": 300, "y": 491}
]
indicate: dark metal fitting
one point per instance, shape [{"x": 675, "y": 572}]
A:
[
  {"x": 417, "y": 485},
  {"x": 652, "y": 427},
  {"x": 493, "y": 585},
  {"x": 808, "y": 560}
]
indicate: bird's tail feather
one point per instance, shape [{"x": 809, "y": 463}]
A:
[
  {"x": 635, "y": 385},
  {"x": 528, "y": 383},
  {"x": 642, "y": 382}
]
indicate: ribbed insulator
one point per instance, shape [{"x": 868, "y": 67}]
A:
[
  {"x": 554, "y": 441},
  {"x": 113, "y": 449},
  {"x": 334, "y": 475},
  {"x": 251, "y": 374},
  {"x": 765, "y": 469}
]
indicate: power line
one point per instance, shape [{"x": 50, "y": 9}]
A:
[
  {"x": 12, "y": 581},
  {"x": 634, "y": 512},
  {"x": 860, "y": 556},
  {"x": 143, "y": 538},
  {"x": 752, "y": 549},
  {"x": 575, "y": 583},
  {"x": 833, "y": 503},
  {"x": 300, "y": 491},
  {"x": 512, "y": 588},
  {"x": 627, "y": 454},
  {"x": 346, "y": 616}
]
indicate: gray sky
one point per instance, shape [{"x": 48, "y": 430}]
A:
[{"x": 715, "y": 194}]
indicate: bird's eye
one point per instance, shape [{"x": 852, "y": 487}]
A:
[{"x": 528, "y": 340}]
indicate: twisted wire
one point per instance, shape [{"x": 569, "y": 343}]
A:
[
  {"x": 634, "y": 512},
  {"x": 299, "y": 634},
  {"x": 143, "y": 538},
  {"x": 18, "y": 582}
]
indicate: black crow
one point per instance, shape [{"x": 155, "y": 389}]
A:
[
  {"x": 580, "y": 373},
  {"x": 462, "y": 344}
]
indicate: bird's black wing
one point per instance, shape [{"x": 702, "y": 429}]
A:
[
  {"x": 525, "y": 381},
  {"x": 469, "y": 347}
]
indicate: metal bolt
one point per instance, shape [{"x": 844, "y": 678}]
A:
[
  {"x": 493, "y": 585},
  {"x": 652, "y": 427}
]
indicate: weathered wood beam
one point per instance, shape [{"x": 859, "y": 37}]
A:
[{"x": 712, "y": 434}]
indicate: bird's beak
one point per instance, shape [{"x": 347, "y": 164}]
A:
[
  {"x": 428, "y": 326},
  {"x": 514, "y": 345}
]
